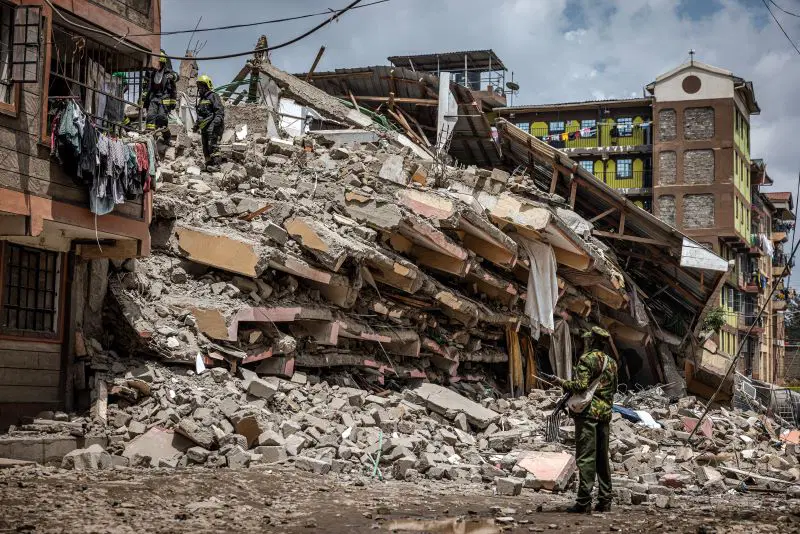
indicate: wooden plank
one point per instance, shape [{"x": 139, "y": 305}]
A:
[
  {"x": 573, "y": 190},
  {"x": 596, "y": 218},
  {"x": 64, "y": 193},
  {"x": 314, "y": 65},
  {"x": 14, "y": 394},
  {"x": 29, "y": 377},
  {"x": 554, "y": 181},
  {"x": 30, "y": 360},
  {"x": 634, "y": 238},
  {"x": 29, "y": 346},
  {"x": 621, "y": 223},
  {"x": 396, "y": 100}
]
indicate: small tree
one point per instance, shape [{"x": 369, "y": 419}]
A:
[{"x": 714, "y": 319}]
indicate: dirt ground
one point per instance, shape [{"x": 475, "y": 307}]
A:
[{"x": 284, "y": 500}]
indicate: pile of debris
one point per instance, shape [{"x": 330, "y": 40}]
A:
[{"x": 169, "y": 416}]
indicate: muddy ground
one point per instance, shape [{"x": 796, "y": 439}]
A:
[{"x": 284, "y": 500}]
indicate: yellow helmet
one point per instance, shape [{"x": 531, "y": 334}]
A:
[
  {"x": 206, "y": 79},
  {"x": 163, "y": 57}
]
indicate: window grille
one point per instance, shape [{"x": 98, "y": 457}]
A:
[{"x": 31, "y": 280}]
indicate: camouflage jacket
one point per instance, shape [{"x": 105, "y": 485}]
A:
[{"x": 588, "y": 368}]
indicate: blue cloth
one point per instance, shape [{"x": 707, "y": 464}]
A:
[{"x": 627, "y": 413}]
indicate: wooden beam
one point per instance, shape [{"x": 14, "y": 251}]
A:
[
  {"x": 596, "y": 218},
  {"x": 416, "y": 101},
  {"x": 415, "y": 123},
  {"x": 573, "y": 191},
  {"x": 314, "y": 65},
  {"x": 554, "y": 181},
  {"x": 622, "y": 222},
  {"x": 353, "y": 100},
  {"x": 634, "y": 238}
]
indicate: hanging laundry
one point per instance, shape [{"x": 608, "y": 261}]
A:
[{"x": 542, "y": 285}]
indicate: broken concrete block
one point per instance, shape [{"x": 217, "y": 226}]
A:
[
  {"x": 392, "y": 170},
  {"x": 271, "y": 453},
  {"x": 294, "y": 444},
  {"x": 509, "y": 486},
  {"x": 198, "y": 454},
  {"x": 318, "y": 467},
  {"x": 238, "y": 458},
  {"x": 441, "y": 400},
  {"x": 270, "y": 437},
  {"x": 157, "y": 443},
  {"x": 324, "y": 244},
  {"x": 194, "y": 432},
  {"x": 279, "y": 146},
  {"x": 552, "y": 470},
  {"x": 88, "y": 459},
  {"x": 262, "y": 389},
  {"x": 276, "y": 233},
  {"x": 250, "y": 427},
  {"x": 705, "y": 473},
  {"x": 221, "y": 251}
]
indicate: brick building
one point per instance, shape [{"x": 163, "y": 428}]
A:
[
  {"x": 53, "y": 249},
  {"x": 683, "y": 153}
]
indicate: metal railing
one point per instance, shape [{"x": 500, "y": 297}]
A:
[
  {"x": 633, "y": 180},
  {"x": 606, "y": 135}
]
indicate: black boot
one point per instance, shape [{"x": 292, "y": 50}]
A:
[
  {"x": 602, "y": 507},
  {"x": 579, "y": 509}
]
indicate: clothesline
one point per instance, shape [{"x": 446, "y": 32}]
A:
[
  {"x": 114, "y": 170},
  {"x": 591, "y": 132}
]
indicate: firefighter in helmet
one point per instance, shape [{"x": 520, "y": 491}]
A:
[
  {"x": 161, "y": 97},
  {"x": 210, "y": 119}
]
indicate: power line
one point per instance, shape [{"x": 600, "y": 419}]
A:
[
  {"x": 251, "y": 24},
  {"x": 779, "y": 25},
  {"x": 741, "y": 345},
  {"x": 787, "y": 12},
  {"x": 149, "y": 53}
]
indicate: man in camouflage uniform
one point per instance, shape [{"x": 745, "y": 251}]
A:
[{"x": 592, "y": 426}]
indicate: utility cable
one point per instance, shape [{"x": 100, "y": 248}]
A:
[
  {"x": 149, "y": 53},
  {"x": 785, "y": 11},
  {"x": 779, "y": 25},
  {"x": 251, "y": 24},
  {"x": 741, "y": 345},
  {"x": 794, "y": 228}
]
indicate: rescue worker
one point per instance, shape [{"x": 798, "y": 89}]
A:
[
  {"x": 161, "y": 97},
  {"x": 592, "y": 425},
  {"x": 210, "y": 119}
]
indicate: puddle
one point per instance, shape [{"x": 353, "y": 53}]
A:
[{"x": 444, "y": 526}]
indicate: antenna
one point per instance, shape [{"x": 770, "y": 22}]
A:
[{"x": 513, "y": 88}]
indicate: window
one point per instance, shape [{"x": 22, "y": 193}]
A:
[
  {"x": 625, "y": 126},
  {"x": 592, "y": 124},
  {"x": 624, "y": 168},
  {"x": 6, "y": 42},
  {"x": 103, "y": 79},
  {"x": 556, "y": 127},
  {"x": 524, "y": 126},
  {"x": 588, "y": 165},
  {"x": 31, "y": 281}
]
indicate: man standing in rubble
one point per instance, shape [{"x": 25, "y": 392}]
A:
[
  {"x": 161, "y": 97},
  {"x": 592, "y": 425},
  {"x": 210, "y": 120}
]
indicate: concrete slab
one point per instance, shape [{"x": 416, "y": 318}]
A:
[
  {"x": 441, "y": 400},
  {"x": 157, "y": 443},
  {"x": 8, "y": 463},
  {"x": 552, "y": 470}
]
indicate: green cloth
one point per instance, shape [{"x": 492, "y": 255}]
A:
[
  {"x": 592, "y": 457},
  {"x": 588, "y": 368}
]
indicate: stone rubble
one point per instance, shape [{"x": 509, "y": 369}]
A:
[{"x": 333, "y": 427}]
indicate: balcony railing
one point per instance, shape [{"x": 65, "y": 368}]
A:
[
  {"x": 604, "y": 136},
  {"x": 780, "y": 259},
  {"x": 782, "y": 226},
  {"x": 634, "y": 180}
]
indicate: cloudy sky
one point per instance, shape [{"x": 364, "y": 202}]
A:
[{"x": 559, "y": 50}]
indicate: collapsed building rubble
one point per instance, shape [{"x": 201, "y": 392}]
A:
[{"x": 345, "y": 300}]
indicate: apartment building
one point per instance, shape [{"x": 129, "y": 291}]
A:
[
  {"x": 683, "y": 152},
  {"x": 610, "y": 138},
  {"x": 52, "y": 247}
]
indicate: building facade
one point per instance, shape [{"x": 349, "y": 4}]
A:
[
  {"x": 683, "y": 153},
  {"x": 611, "y": 139},
  {"x": 52, "y": 247}
]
